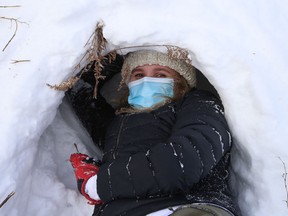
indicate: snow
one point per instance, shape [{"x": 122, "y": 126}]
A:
[{"x": 240, "y": 46}]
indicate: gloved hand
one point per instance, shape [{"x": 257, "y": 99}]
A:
[{"x": 84, "y": 168}]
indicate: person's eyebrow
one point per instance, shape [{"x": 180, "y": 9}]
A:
[
  {"x": 162, "y": 69},
  {"x": 137, "y": 70}
]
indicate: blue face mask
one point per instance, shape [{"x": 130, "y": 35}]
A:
[{"x": 149, "y": 91}]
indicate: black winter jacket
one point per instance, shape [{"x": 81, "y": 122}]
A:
[{"x": 177, "y": 154}]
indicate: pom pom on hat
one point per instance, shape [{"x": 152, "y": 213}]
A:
[{"x": 150, "y": 57}]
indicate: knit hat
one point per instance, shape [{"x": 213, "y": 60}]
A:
[{"x": 150, "y": 57}]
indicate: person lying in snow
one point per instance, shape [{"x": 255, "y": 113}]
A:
[{"x": 166, "y": 149}]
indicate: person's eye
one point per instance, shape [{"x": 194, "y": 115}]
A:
[
  {"x": 161, "y": 75},
  {"x": 138, "y": 75}
]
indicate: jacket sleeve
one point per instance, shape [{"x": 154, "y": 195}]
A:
[
  {"x": 94, "y": 114},
  {"x": 199, "y": 139}
]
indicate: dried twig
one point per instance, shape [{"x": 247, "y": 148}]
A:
[
  {"x": 9, "y": 6},
  {"x": 97, "y": 44},
  {"x": 75, "y": 145},
  {"x": 19, "y": 61},
  {"x": 7, "y": 198},
  {"x": 65, "y": 85},
  {"x": 284, "y": 175},
  {"x": 16, "y": 21}
]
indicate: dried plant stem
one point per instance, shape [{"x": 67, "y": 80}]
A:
[
  {"x": 19, "y": 61},
  {"x": 284, "y": 175},
  {"x": 75, "y": 145},
  {"x": 16, "y": 21},
  {"x": 9, "y": 6},
  {"x": 97, "y": 44},
  {"x": 65, "y": 85},
  {"x": 7, "y": 198},
  {"x": 15, "y": 31}
]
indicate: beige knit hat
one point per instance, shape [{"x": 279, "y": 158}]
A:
[{"x": 150, "y": 57}]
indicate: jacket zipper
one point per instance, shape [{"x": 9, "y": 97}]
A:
[{"x": 118, "y": 136}]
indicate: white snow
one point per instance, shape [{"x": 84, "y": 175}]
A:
[{"x": 240, "y": 46}]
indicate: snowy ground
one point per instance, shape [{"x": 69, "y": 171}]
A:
[{"x": 240, "y": 46}]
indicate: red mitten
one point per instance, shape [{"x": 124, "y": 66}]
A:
[{"x": 84, "y": 168}]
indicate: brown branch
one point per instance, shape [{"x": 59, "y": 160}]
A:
[
  {"x": 15, "y": 31},
  {"x": 16, "y": 28},
  {"x": 7, "y": 198}
]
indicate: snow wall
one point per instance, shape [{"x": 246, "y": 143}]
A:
[{"x": 240, "y": 46}]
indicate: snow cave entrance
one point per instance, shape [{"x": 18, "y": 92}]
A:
[{"x": 66, "y": 129}]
